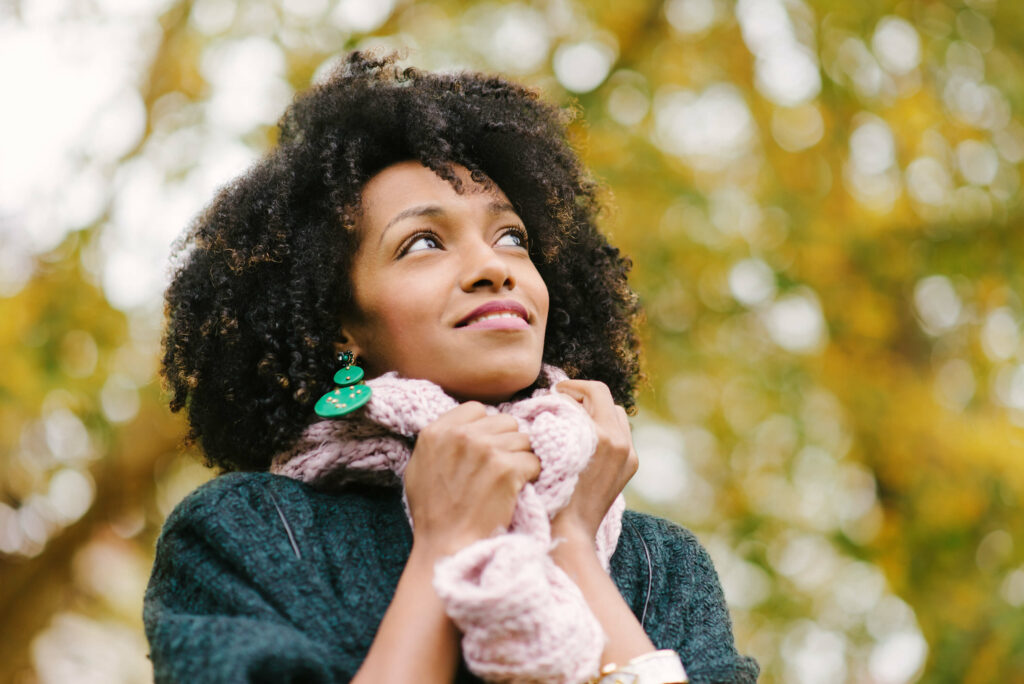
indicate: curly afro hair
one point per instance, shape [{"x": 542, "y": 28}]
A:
[{"x": 262, "y": 284}]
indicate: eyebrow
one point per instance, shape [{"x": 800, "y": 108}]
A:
[{"x": 433, "y": 210}]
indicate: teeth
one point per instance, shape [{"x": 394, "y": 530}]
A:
[{"x": 500, "y": 314}]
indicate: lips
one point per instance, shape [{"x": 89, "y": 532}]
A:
[{"x": 495, "y": 313}]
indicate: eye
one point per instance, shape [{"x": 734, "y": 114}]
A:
[
  {"x": 420, "y": 242},
  {"x": 514, "y": 236}
]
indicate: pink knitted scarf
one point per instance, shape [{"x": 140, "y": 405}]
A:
[{"x": 521, "y": 617}]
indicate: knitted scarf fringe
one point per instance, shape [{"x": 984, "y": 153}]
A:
[{"x": 522, "y": 618}]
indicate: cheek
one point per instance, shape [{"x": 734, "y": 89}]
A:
[
  {"x": 378, "y": 318},
  {"x": 403, "y": 326},
  {"x": 540, "y": 297},
  {"x": 392, "y": 325}
]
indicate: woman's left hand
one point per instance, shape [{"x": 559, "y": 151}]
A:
[{"x": 613, "y": 464}]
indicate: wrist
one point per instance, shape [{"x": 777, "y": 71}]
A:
[
  {"x": 573, "y": 549},
  {"x": 654, "y": 667},
  {"x": 571, "y": 528},
  {"x": 426, "y": 553},
  {"x": 435, "y": 547}
]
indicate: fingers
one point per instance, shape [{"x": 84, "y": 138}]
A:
[
  {"x": 496, "y": 424},
  {"x": 595, "y": 397},
  {"x": 509, "y": 445},
  {"x": 578, "y": 390},
  {"x": 620, "y": 413},
  {"x": 613, "y": 463},
  {"x": 524, "y": 466},
  {"x": 471, "y": 418},
  {"x": 513, "y": 442},
  {"x": 463, "y": 413},
  {"x": 632, "y": 463},
  {"x": 490, "y": 437},
  {"x": 465, "y": 475},
  {"x": 475, "y": 412},
  {"x": 613, "y": 430}
]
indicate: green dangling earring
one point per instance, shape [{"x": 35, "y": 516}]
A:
[{"x": 351, "y": 395}]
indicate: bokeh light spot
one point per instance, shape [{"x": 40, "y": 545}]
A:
[
  {"x": 937, "y": 303},
  {"x": 813, "y": 654},
  {"x": 71, "y": 494},
  {"x": 1000, "y": 334},
  {"x": 513, "y": 38},
  {"x": 662, "y": 476},
  {"x": 581, "y": 67},
  {"x": 1012, "y": 588},
  {"x": 955, "y": 384},
  {"x": 66, "y": 436},
  {"x": 787, "y": 74},
  {"x": 795, "y": 323},
  {"x": 977, "y": 161},
  {"x": 627, "y": 104},
  {"x": 362, "y": 16},
  {"x": 305, "y": 9},
  {"x": 691, "y": 18},
  {"x": 1009, "y": 386},
  {"x": 212, "y": 17},
  {"x": 928, "y": 181},
  {"x": 872, "y": 147},
  {"x": 752, "y": 282},
  {"x": 708, "y": 130},
  {"x": 898, "y": 657},
  {"x": 896, "y": 45},
  {"x": 797, "y": 128},
  {"x": 119, "y": 398}
]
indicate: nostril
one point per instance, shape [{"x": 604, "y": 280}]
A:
[{"x": 487, "y": 271}]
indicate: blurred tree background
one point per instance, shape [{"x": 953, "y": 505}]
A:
[{"x": 823, "y": 204}]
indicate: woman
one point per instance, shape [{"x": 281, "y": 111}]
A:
[{"x": 439, "y": 230}]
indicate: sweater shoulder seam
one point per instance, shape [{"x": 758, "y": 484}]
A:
[{"x": 208, "y": 498}]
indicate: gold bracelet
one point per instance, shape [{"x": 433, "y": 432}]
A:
[{"x": 656, "y": 667}]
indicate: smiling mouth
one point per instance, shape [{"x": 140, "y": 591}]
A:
[
  {"x": 491, "y": 317},
  {"x": 496, "y": 315},
  {"x": 498, "y": 321}
]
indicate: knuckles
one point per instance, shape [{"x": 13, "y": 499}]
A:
[
  {"x": 632, "y": 462},
  {"x": 506, "y": 475},
  {"x": 614, "y": 442},
  {"x": 462, "y": 435},
  {"x": 428, "y": 434}
]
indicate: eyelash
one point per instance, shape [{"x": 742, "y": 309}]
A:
[
  {"x": 416, "y": 237},
  {"x": 518, "y": 232}
]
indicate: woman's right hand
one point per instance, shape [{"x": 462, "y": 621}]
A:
[{"x": 464, "y": 476}]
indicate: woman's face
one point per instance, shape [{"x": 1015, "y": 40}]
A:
[{"x": 444, "y": 287}]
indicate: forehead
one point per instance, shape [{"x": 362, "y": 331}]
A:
[{"x": 409, "y": 184}]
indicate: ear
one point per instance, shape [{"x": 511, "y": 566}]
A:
[{"x": 347, "y": 342}]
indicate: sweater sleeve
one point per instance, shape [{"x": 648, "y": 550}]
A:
[
  {"x": 679, "y": 600},
  {"x": 229, "y": 584}
]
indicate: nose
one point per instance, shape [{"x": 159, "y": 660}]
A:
[{"x": 484, "y": 268}]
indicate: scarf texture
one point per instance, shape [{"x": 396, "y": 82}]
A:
[{"x": 522, "y": 618}]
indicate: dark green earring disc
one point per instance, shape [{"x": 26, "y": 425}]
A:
[
  {"x": 349, "y": 375},
  {"x": 342, "y": 400}
]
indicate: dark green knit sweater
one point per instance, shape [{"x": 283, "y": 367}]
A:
[{"x": 260, "y": 578}]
